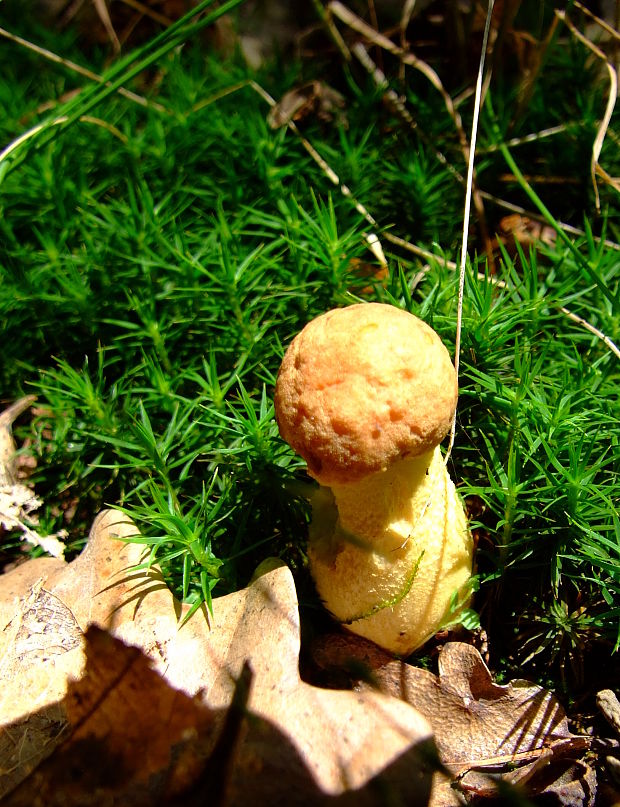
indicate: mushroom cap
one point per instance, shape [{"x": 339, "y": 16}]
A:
[{"x": 362, "y": 387}]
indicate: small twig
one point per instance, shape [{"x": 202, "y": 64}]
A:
[
  {"x": 229, "y": 91},
  {"x": 540, "y": 179},
  {"x": 419, "y": 251},
  {"x": 104, "y": 16},
  {"x": 333, "y": 32},
  {"x": 372, "y": 11},
  {"x": 405, "y": 19},
  {"x": 501, "y": 284}
]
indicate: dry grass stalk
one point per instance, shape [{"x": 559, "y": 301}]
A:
[
  {"x": 396, "y": 103},
  {"x": 373, "y": 241},
  {"x": 609, "y": 109},
  {"x": 147, "y": 11},
  {"x": 468, "y": 198},
  {"x": 82, "y": 71},
  {"x": 5, "y": 153},
  {"x": 407, "y": 58}
]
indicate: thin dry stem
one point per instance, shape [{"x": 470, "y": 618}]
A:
[
  {"x": 398, "y": 106},
  {"x": 468, "y": 196},
  {"x": 229, "y": 91},
  {"x": 332, "y": 30},
  {"x": 501, "y": 284},
  {"x": 346, "y": 16},
  {"x": 581, "y": 321},
  {"x": 104, "y": 16},
  {"x": 611, "y": 103},
  {"x": 530, "y": 138},
  {"x": 405, "y": 19},
  {"x": 600, "y": 135},
  {"x": 605, "y": 26},
  {"x": 57, "y": 122},
  {"x": 82, "y": 71},
  {"x": 371, "y": 238},
  {"x": 147, "y": 11}
]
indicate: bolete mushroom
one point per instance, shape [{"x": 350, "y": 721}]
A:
[{"x": 365, "y": 394}]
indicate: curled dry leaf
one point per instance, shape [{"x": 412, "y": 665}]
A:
[
  {"x": 106, "y": 699},
  {"x": 314, "y": 98},
  {"x": 524, "y": 231},
  {"x": 511, "y": 731}
]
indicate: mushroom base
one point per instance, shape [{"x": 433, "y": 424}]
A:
[{"x": 389, "y": 553}]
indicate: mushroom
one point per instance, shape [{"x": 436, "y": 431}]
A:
[{"x": 365, "y": 394}]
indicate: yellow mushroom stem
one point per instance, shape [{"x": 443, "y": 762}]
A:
[{"x": 388, "y": 553}]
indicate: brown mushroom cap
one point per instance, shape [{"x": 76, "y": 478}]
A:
[{"x": 362, "y": 387}]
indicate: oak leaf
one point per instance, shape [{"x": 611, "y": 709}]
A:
[
  {"x": 108, "y": 697},
  {"x": 509, "y": 732}
]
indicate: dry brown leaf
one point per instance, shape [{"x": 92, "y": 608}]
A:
[
  {"x": 517, "y": 229},
  {"x": 314, "y": 98},
  {"x": 8, "y": 471},
  {"x": 361, "y": 270},
  {"x": 121, "y": 734},
  {"x": 18, "y": 506},
  {"x": 140, "y": 710},
  {"x": 18, "y": 503},
  {"x": 480, "y": 727}
]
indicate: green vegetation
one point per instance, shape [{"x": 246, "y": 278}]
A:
[{"x": 156, "y": 260}]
